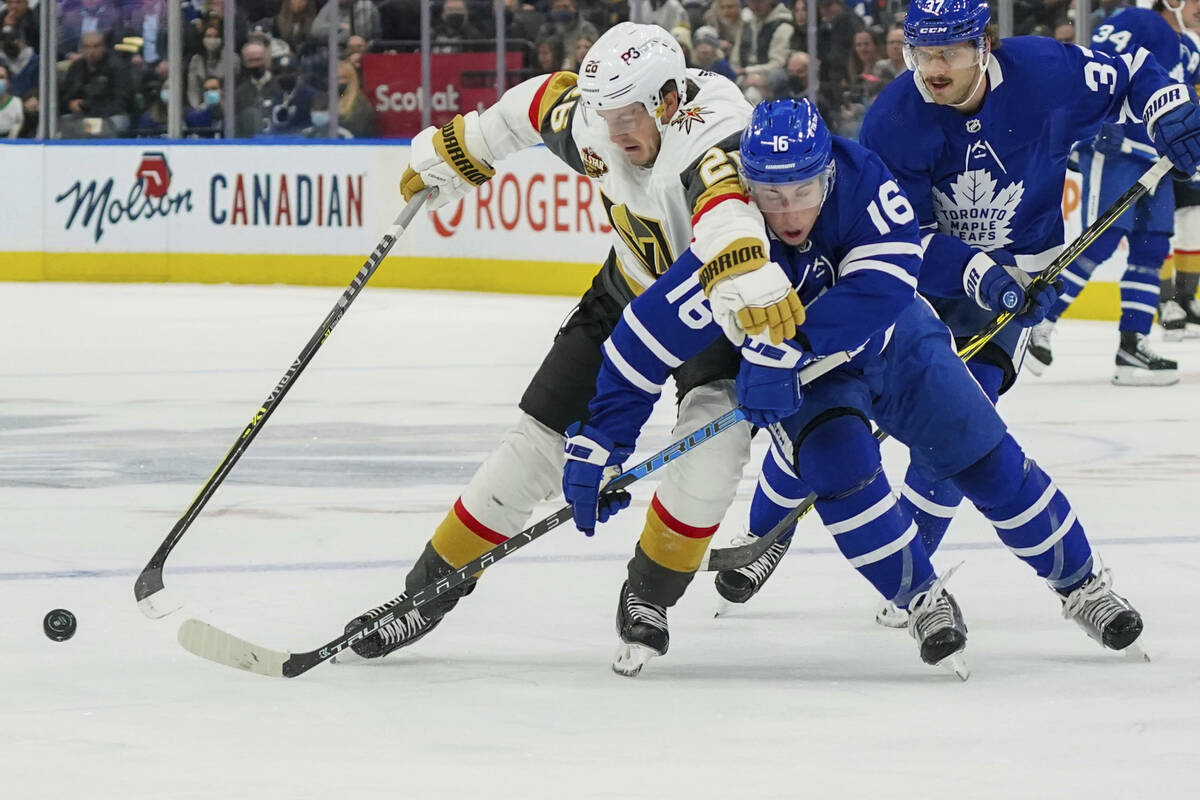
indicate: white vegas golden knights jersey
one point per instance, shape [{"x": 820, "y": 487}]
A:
[{"x": 655, "y": 211}]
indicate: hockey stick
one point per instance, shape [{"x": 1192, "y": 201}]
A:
[
  {"x": 726, "y": 558},
  {"x": 214, "y": 644},
  {"x": 148, "y": 589}
]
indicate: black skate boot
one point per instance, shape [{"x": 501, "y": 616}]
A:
[
  {"x": 1105, "y": 615},
  {"x": 1173, "y": 320},
  {"x": 936, "y": 622},
  {"x": 1191, "y": 310},
  {"x": 430, "y": 568},
  {"x": 642, "y": 627},
  {"x": 1138, "y": 365},
  {"x": 1038, "y": 353},
  {"x": 739, "y": 585}
]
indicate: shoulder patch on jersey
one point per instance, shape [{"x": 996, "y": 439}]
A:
[
  {"x": 553, "y": 90},
  {"x": 685, "y": 118},
  {"x": 593, "y": 164}
]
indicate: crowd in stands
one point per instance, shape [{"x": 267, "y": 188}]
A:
[{"x": 111, "y": 66}]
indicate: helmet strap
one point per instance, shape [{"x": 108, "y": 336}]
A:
[
  {"x": 984, "y": 59},
  {"x": 1177, "y": 10}
]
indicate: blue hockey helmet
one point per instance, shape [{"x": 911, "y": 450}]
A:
[
  {"x": 937, "y": 23},
  {"x": 786, "y": 155}
]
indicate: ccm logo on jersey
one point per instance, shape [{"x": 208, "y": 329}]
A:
[{"x": 736, "y": 258}]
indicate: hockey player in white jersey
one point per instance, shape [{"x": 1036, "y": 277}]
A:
[
  {"x": 1109, "y": 164},
  {"x": 844, "y": 232},
  {"x": 656, "y": 137}
]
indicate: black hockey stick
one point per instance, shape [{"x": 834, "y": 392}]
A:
[
  {"x": 726, "y": 558},
  {"x": 214, "y": 644},
  {"x": 148, "y": 589}
]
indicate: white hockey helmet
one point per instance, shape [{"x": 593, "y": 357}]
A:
[{"x": 629, "y": 64}]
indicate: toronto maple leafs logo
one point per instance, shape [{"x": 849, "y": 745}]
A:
[
  {"x": 976, "y": 211},
  {"x": 687, "y": 117}
]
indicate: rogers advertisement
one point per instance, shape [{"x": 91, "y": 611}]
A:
[{"x": 459, "y": 82}]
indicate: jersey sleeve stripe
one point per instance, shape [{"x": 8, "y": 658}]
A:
[
  {"x": 647, "y": 338},
  {"x": 879, "y": 266},
  {"x": 719, "y": 193},
  {"x": 627, "y": 371},
  {"x": 549, "y": 93},
  {"x": 883, "y": 249}
]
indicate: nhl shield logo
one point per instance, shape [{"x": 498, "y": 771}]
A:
[
  {"x": 974, "y": 126},
  {"x": 593, "y": 164}
]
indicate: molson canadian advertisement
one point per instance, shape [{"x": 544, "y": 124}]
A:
[{"x": 308, "y": 214}]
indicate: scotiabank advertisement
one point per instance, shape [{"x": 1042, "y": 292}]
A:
[{"x": 459, "y": 82}]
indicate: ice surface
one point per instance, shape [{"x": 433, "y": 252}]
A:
[{"x": 116, "y": 403}]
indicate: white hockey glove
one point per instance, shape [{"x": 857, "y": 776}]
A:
[
  {"x": 749, "y": 299},
  {"x": 452, "y": 159}
]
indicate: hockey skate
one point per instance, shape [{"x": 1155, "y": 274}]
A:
[
  {"x": 1138, "y": 365},
  {"x": 936, "y": 622},
  {"x": 429, "y": 569},
  {"x": 1173, "y": 320},
  {"x": 1105, "y": 615},
  {"x": 1039, "y": 355},
  {"x": 642, "y": 627},
  {"x": 890, "y": 615},
  {"x": 739, "y": 585},
  {"x": 1191, "y": 310}
]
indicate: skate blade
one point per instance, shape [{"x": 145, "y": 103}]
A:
[
  {"x": 891, "y": 617},
  {"x": 956, "y": 664},
  {"x": 1136, "y": 652},
  {"x": 723, "y": 608},
  {"x": 1134, "y": 376},
  {"x": 1034, "y": 366},
  {"x": 631, "y": 658},
  {"x": 1173, "y": 335}
]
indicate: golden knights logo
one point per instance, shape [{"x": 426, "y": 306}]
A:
[
  {"x": 685, "y": 118},
  {"x": 593, "y": 164},
  {"x": 644, "y": 236}
]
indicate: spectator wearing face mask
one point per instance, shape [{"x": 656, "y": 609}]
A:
[
  {"x": 12, "y": 115},
  {"x": 207, "y": 121},
  {"x": 208, "y": 63},
  {"x": 349, "y": 17},
  {"x": 254, "y": 92},
  {"x": 764, "y": 41},
  {"x": 96, "y": 86},
  {"x": 153, "y": 121},
  {"x": 706, "y": 52},
  {"x": 566, "y": 23},
  {"x": 453, "y": 27}
]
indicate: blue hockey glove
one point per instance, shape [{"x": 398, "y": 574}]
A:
[
  {"x": 590, "y": 455},
  {"x": 1177, "y": 136},
  {"x": 995, "y": 282},
  {"x": 768, "y": 381}
]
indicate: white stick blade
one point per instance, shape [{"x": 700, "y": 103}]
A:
[
  {"x": 216, "y": 645},
  {"x": 159, "y": 604}
]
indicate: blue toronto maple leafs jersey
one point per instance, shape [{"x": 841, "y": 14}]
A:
[
  {"x": 994, "y": 180},
  {"x": 1142, "y": 28},
  {"x": 855, "y": 275}
]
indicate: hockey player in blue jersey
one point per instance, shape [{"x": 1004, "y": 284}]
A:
[
  {"x": 1109, "y": 164},
  {"x": 978, "y": 134},
  {"x": 848, "y": 238}
]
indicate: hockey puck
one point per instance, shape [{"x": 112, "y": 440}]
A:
[{"x": 59, "y": 625}]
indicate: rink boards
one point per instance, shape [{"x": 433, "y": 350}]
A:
[{"x": 272, "y": 212}]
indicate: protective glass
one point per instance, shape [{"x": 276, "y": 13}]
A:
[
  {"x": 955, "y": 56},
  {"x": 624, "y": 119},
  {"x": 795, "y": 196}
]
